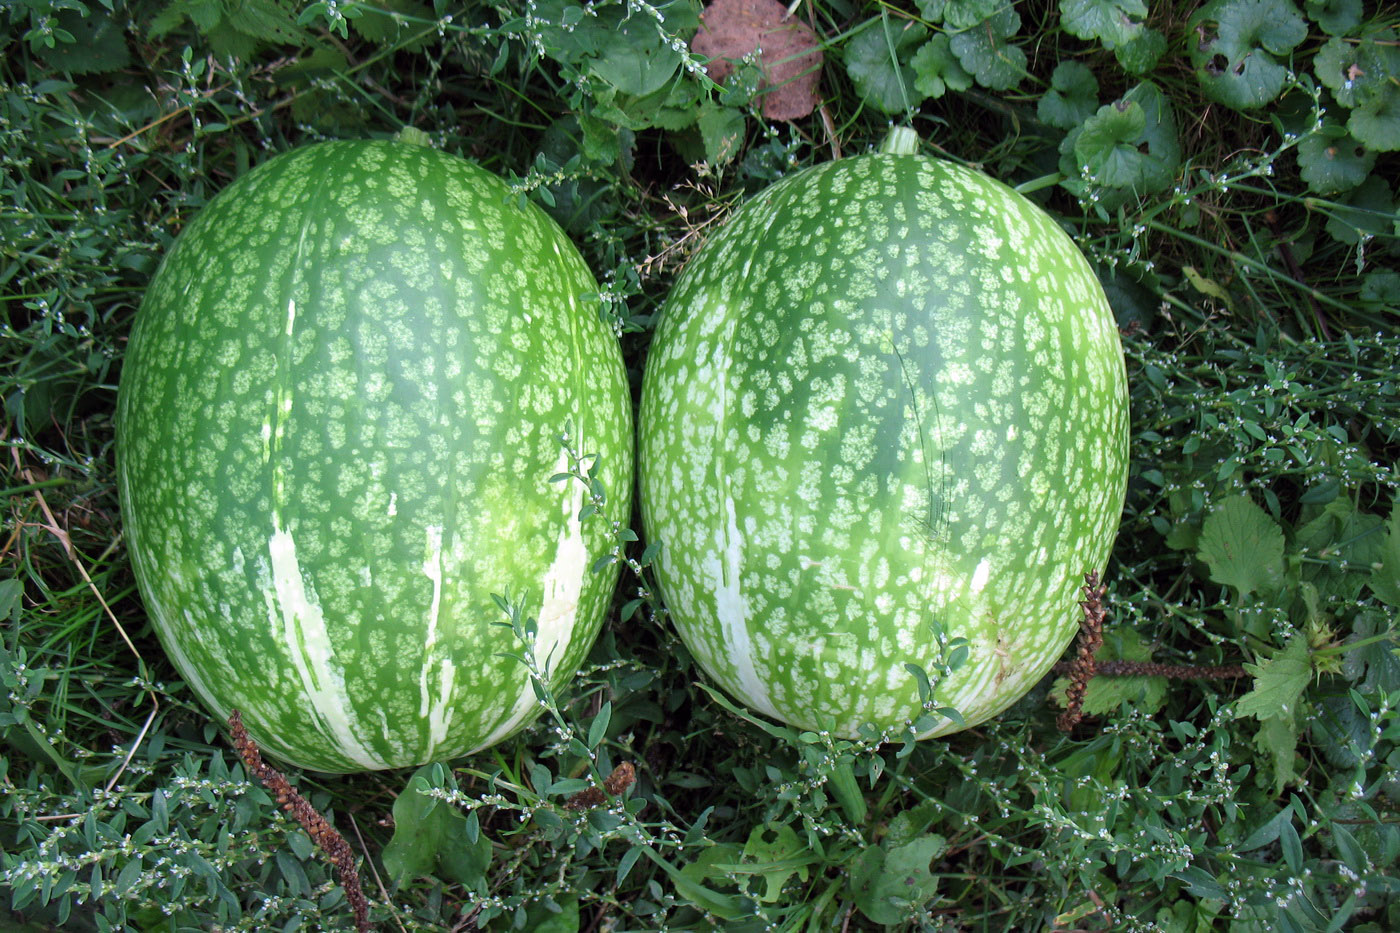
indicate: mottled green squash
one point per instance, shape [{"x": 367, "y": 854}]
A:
[
  {"x": 337, "y": 424},
  {"x": 886, "y": 399}
]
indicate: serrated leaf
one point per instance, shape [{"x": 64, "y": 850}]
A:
[
  {"x": 1240, "y": 57},
  {"x": 937, "y": 70},
  {"x": 386, "y": 22},
  {"x": 99, "y": 45},
  {"x": 1278, "y": 683},
  {"x": 1243, "y": 546},
  {"x": 1335, "y": 17},
  {"x": 1331, "y": 160},
  {"x": 1073, "y": 96},
  {"x": 1278, "y": 739},
  {"x": 1112, "y": 22},
  {"x": 875, "y": 60},
  {"x": 722, "y": 132},
  {"x": 985, "y": 51}
]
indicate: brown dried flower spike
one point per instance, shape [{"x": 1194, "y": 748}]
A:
[
  {"x": 789, "y": 52},
  {"x": 320, "y": 831}
]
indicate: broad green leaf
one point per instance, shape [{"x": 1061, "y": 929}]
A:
[
  {"x": 890, "y": 884},
  {"x": 1073, "y": 96},
  {"x": 637, "y": 62},
  {"x": 430, "y": 838},
  {"x": 1385, "y": 578},
  {"x": 99, "y": 46},
  {"x": 1241, "y": 54},
  {"x": 936, "y": 68},
  {"x": 1380, "y": 288},
  {"x": 1278, "y": 682},
  {"x": 1374, "y": 665},
  {"x": 876, "y": 59},
  {"x": 1340, "y": 731},
  {"x": 387, "y": 22},
  {"x": 959, "y": 14},
  {"x": 543, "y": 920},
  {"x": 985, "y": 51},
  {"x": 775, "y": 845},
  {"x": 1243, "y": 546},
  {"x": 1332, "y": 161},
  {"x": 1334, "y": 17},
  {"x": 1112, "y": 22}
]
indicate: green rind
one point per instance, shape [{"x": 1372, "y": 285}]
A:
[
  {"x": 337, "y": 425},
  {"x": 888, "y": 394}
]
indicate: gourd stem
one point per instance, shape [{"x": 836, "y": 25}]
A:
[
  {"x": 901, "y": 140},
  {"x": 412, "y": 134}
]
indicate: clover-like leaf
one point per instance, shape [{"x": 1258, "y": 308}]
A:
[
  {"x": 936, "y": 68},
  {"x": 875, "y": 59},
  {"x": 1332, "y": 161},
  {"x": 1335, "y": 17},
  {"x": 1237, "y": 49},
  {"x": 984, "y": 50},
  {"x": 1073, "y": 96},
  {"x": 1112, "y": 22}
]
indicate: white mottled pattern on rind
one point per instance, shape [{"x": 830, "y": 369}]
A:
[
  {"x": 433, "y": 337},
  {"x": 906, "y": 383}
]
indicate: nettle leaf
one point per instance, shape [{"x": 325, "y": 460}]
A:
[
  {"x": 875, "y": 58},
  {"x": 1140, "y": 54},
  {"x": 722, "y": 131},
  {"x": 1278, "y": 739},
  {"x": 1130, "y": 145},
  {"x": 1334, "y": 17},
  {"x": 1385, "y": 577},
  {"x": 1112, "y": 22},
  {"x": 1073, "y": 96},
  {"x": 1278, "y": 682},
  {"x": 1243, "y": 546},
  {"x": 936, "y": 68},
  {"x": 1237, "y": 56},
  {"x": 1331, "y": 160},
  {"x": 984, "y": 51}
]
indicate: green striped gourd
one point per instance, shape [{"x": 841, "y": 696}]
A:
[
  {"x": 886, "y": 400},
  {"x": 338, "y": 421}
]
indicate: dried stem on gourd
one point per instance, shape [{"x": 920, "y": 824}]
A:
[{"x": 320, "y": 831}]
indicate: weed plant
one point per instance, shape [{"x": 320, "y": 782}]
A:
[{"x": 1229, "y": 169}]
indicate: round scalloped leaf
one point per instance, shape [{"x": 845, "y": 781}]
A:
[
  {"x": 1377, "y": 122},
  {"x": 1381, "y": 289},
  {"x": 1358, "y": 72},
  {"x": 936, "y": 68},
  {"x": 879, "y": 75},
  {"x": 1109, "y": 149},
  {"x": 960, "y": 14},
  {"x": 1112, "y": 22},
  {"x": 1073, "y": 96},
  {"x": 1367, "y": 211},
  {"x": 1335, "y": 17},
  {"x": 1140, "y": 54},
  {"x": 985, "y": 52},
  {"x": 1332, "y": 161},
  {"x": 1241, "y": 41}
]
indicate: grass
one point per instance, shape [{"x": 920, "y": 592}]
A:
[{"x": 1259, "y": 314}]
